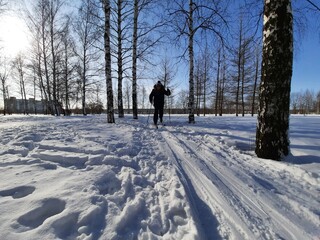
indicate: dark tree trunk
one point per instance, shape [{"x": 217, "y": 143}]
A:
[
  {"x": 255, "y": 85},
  {"x": 110, "y": 110},
  {"x": 134, "y": 61},
  {"x": 120, "y": 62},
  {"x": 272, "y": 140},
  {"x": 218, "y": 85},
  {"x": 191, "y": 65}
]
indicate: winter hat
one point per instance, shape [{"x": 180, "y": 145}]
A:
[{"x": 159, "y": 83}]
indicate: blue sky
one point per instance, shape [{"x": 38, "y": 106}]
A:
[{"x": 306, "y": 64}]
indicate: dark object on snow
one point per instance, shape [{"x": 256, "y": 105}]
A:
[{"x": 156, "y": 98}]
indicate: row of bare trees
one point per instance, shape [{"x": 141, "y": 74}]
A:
[
  {"x": 305, "y": 102},
  {"x": 66, "y": 63},
  {"x": 74, "y": 50}
]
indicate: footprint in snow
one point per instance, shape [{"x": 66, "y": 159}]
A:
[
  {"x": 18, "y": 192},
  {"x": 36, "y": 217}
]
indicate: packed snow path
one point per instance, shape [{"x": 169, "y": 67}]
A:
[{"x": 81, "y": 178}]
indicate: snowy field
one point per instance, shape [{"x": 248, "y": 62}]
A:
[{"x": 81, "y": 178}]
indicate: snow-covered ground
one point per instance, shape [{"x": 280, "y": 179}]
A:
[{"x": 81, "y": 178}]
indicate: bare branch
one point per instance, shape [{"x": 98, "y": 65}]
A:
[{"x": 314, "y": 5}]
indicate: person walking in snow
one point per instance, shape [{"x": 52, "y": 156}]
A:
[{"x": 156, "y": 98}]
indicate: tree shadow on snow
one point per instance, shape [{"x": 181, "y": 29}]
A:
[
  {"x": 207, "y": 222},
  {"x": 300, "y": 160}
]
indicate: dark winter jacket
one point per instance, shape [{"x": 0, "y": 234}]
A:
[{"x": 157, "y": 96}]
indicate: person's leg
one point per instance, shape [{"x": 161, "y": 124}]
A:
[
  {"x": 155, "y": 115},
  {"x": 161, "y": 114}
]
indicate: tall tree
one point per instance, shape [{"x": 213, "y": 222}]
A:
[
  {"x": 107, "y": 47},
  {"x": 222, "y": 85},
  {"x": 166, "y": 75},
  {"x": 122, "y": 21},
  {"x": 55, "y": 27},
  {"x": 134, "y": 59},
  {"x": 272, "y": 140},
  {"x": 256, "y": 78},
  {"x": 38, "y": 20},
  {"x": 86, "y": 28},
  {"x": 191, "y": 32},
  {"x": 120, "y": 56},
  {"x": 187, "y": 21},
  {"x": 217, "y": 87},
  {"x": 146, "y": 22},
  {"x": 68, "y": 66},
  {"x": 20, "y": 68},
  {"x": 4, "y": 74}
]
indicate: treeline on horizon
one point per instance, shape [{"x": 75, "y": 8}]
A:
[{"x": 65, "y": 64}]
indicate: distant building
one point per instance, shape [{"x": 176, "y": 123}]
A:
[{"x": 33, "y": 106}]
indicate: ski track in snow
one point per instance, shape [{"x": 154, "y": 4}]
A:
[
  {"x": 247, "y": 204},
  {"x": 81, "y": 178}
]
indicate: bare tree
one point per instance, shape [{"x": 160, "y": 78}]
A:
[
  {"x": 166, "y": 75},
  {"x": 86, "y": 29},
  {"x": 120, "y": 56},
  {"x": 55, "y": 27},
  {"x": 107, "y": 47},
  {"x": 218, "y": 89},
  {"x": 272, "y": 140},
  {"x": 4, "y": 74},
  {"x": 182, "y": 100},
  {"x": 243, "y": 63},
  {"x": 37, "y": 22},
  {"x": 145, "y": 38},
  {"x": 134, "y": 59},
  {"x": 256, "y": 80},
  {"x": 122, "y": 43},
  {"x": 20, "y": 68},
  {"x": 127, "y": 94},
  {"x": 68, "y": 65},
  {"x": 220, "y": 84},
  {"x": 187, "y": 20},
  {"x": 310, "y": 100},
  {"x": 202, "y": 67}
]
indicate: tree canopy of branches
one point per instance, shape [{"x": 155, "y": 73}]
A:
[{"x": 187, "y": 20}]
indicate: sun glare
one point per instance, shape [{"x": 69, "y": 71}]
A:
[{"x": 13, "y": 36}]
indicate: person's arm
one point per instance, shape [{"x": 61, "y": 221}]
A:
[
  {"x": 167, "y": 92},
  {"x": 151, "y": 97}
]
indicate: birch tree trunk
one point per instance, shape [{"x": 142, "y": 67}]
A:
[
  {"x": 120, "y": 60},
  {"x": 218, "y": 83},
  {"x": 3, "y": 78},
  {"x": 272, "y": 140},
  {"x": 191, "y": 64},
  {"x": 19, "y": 66},
  {"x": 45, "y": 57},
  {"x": 55, "y": 6},
  {"x": 239, "y": 59},
  {"x": 134, "y": 60},
  {"x": 107, "y": 47},
  {"x": 256, "y": 76},
  {"x": 222, "y": 86}
]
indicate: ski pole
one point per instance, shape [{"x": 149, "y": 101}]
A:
[
  {"x": 169, "y": 109},
  {"x": 149, "y": 112}
]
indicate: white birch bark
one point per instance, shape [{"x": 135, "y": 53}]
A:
[
  {"x": 272, "y": 140},
  {"x": 107, "y": 47}
]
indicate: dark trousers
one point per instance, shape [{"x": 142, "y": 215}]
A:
[{"x": 158, "y": 111}]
